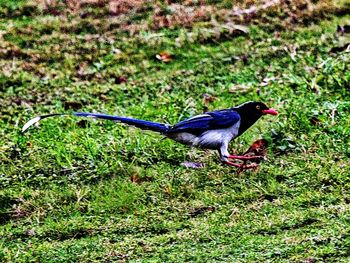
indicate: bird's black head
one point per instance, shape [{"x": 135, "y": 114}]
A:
[{"x": 250, "y": 112}]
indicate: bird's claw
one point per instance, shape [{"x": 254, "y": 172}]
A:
[
  {"x": 239, "y": 157},
  {"x": 242, "y": 166}
]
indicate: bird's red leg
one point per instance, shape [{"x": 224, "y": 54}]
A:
[
  {"x": 239, "y": 157},
  {"x": 232, "y": 164}
]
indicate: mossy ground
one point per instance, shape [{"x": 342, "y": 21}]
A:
[{"x": 76, "y": 190}]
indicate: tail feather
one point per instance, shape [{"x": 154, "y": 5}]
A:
[
  {"x": 37, "y": 119},
  {"x": 145, "y": 125}
]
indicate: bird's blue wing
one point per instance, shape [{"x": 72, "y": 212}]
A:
[{"x": 208, "y": 121}]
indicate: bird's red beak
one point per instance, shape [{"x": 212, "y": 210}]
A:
[{"x": 270, "y": 111}]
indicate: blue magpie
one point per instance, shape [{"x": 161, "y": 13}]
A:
[{"x": 212, "y": 130}]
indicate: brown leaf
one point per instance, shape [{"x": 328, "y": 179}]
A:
[
  {"x": 345, "y": 48},
  {"x": 74, "y": 105},
  {"x": 239, "y": 88},
  {"x": 121, "y": 79},
  {"x": 168, "y": 190},
  {"x": 134, "y": 178},
  {"x": 343, "y": 29},
  {"x": 207, "y": 98},
  {"x": 138, "y": 180},
  {"x": 118, "y": 7},
  {"x": 82, "y": 123},
  {"x": 31, "y": 232},
  {"x": 277, "y": 34},
  {"x": 103, "y": 97},
  {"x": 164, "y": 56},
  {"x": 258, "y": 148},
  {"x": 315, "y": 121},
  {"x": 244, "y": 58},
  {"x": 201, "y": 210},
  {"x": 309, "y": 260}
]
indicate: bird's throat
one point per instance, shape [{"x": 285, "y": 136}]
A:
[{"x": 247, "y": 122}]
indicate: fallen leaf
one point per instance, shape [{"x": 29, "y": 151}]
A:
[
  {"x": 239, "y": 88},
  {"x": 121, "y": 79},
  {"x": 267, "y": 81},
  {"x": 345, "y": 48},
  {"x": 82, "y": 123},
  {"x": 138, "y": 180},
  {"x": 207, "y": 98},
  {"x": 244, "y": 58},
  {"x": 343, "y": 29},
  {"x": 310, "y": 260},
  {"x": 74, "y": 105},
  {"x": 277, "y": 34},
  {"x": 31, "y": 232},
  {"x": 103, "y": 97},
  {"x": 116, "y": 51},
  {"x": 134, "y": 178},
  {"x": 193, "y": 165},
  {"x": 315, "y": 121},
  {"x": 168, "y": 190},
  {"x": 164, "y": 57},
  {"x": 201, "y": 210},
  {"x": 258, "y": 148},
  {"x": 241, "y": 28}
]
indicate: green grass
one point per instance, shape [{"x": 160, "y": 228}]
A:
[{"x": 67, "y": 187}]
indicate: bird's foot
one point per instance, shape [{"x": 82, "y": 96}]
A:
[
  {"x": 242, "y": 166},
  {"x": 239, "y": 157}
]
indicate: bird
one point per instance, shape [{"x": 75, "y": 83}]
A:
[{"x": 212, "y": 130}]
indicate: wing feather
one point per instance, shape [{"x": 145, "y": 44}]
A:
[{"x": 208, "y": 121}]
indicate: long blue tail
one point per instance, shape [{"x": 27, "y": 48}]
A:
[{"x": 145, "y": 125}]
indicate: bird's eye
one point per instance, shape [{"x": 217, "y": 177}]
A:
[{"x": 258, "y": 107}]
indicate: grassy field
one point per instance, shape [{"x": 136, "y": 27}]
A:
[{"x": 77, "y": 190}]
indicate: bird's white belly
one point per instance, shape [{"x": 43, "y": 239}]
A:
[
  {"x": 211, "y": 139},
  {"x": 214, "y": 139},
  {"x": 184, "y": 138}
]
